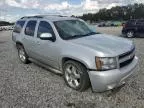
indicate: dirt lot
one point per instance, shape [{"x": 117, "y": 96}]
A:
[{"x": 30, "y": 86}]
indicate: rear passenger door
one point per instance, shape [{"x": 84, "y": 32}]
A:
[{"x": 28, "y": 38}]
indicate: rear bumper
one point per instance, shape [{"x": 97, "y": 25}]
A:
[{"x": 107, "y": 80}]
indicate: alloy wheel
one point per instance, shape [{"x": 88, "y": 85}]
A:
[{"x": 72, "y": 76}]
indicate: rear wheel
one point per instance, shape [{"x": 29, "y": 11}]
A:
[
  {"x": 130, "y": 34},
  {"x": 22, "y": 54},
  {"x": 75, "y": 75}
]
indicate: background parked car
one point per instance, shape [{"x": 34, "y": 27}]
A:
[
  {"x": 6, "y": 28},
  {"x": 133, "y": 28},
  {"x": 117, "y": 23},
  {"x": 101, "y": 24},
  {"x": 110, "y": 24}
]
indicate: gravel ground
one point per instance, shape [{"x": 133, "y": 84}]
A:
[
  {"x": 109, "y": 30},
  {"x": 30, "y": 86}
]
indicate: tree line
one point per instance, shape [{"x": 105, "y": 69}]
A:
[
  {"x": 5, "y": 23},
  {"x": 135, "y": 11}
]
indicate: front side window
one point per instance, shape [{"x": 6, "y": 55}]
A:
[
  {"x": 30, "y": 28},
  {"x": 18, "y": 27},
  {"x": 69, "y": 29},
  {"x": 44, "y": 27}
]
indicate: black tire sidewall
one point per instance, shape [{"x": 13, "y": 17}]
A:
[
  {"x": 131, "y": 32},
  {"x": 84, "y": 80}
]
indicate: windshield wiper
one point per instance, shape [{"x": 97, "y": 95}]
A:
[
  {"x": 88, "y": 34},
  {"x": 78, "y": 36},
  {"x": 91, "y": 33}
]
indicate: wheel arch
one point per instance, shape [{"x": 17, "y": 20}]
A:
[
  {"x": 64, "y": 59},
  {"x": 131, "y": 29},
  {"x": 18, "y": 43}
]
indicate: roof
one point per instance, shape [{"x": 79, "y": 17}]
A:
[{"x": 50, "y": 17}]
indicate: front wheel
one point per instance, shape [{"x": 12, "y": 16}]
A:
[
  {"x": 76, "y": 75},
  {"x": 130, "y": 34}
]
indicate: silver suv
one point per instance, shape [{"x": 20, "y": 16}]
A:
[{"x": 70, "y": 47}]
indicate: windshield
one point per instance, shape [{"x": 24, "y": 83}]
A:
[{"x": 69, "y": 29}]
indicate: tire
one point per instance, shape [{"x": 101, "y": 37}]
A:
[
  {"x": 130, "y": 34},
  {"x": 76, "y": 75},
  {"x": 22, "y": 54}
]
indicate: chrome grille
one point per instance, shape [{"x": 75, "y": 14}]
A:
[
  {"x": 126, "y": 58},
  {"x": 127, "y": 53}
]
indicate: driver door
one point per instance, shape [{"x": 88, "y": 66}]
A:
[{"x": 46, "y": 50}]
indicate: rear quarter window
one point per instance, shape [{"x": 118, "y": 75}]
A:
[{"x": 18, "y": 27}]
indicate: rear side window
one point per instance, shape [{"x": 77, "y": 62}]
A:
[
  {"x": 18, "y": 27},
  {"x": 30, "y": 28},
  {"x": 44, "y": 27}
]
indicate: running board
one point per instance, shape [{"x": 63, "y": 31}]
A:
[{"x": 46, "y": 66}]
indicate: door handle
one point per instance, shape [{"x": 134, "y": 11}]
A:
[{"x": 38, "y": 43}]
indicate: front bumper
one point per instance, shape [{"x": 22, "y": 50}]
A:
[{"x": 107, "y": 80}]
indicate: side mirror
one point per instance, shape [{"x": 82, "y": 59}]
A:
[{"x": 46, "y": 36}]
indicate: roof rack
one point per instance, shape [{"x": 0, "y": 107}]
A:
[
  {"x": 41, "y": 16},
  {"x": 51, "y": 15},
  {"x": 32, "y": 17}
]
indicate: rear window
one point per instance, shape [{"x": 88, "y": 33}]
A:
[{"x": 18, "y": 27}]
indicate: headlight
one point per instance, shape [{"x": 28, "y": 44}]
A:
[{"x": 106, "y": 63}]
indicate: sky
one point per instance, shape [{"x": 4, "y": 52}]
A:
[{"x": 11, "y": 10}]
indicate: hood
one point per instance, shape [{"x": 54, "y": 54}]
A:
[{"x": 105, "y": 44}]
